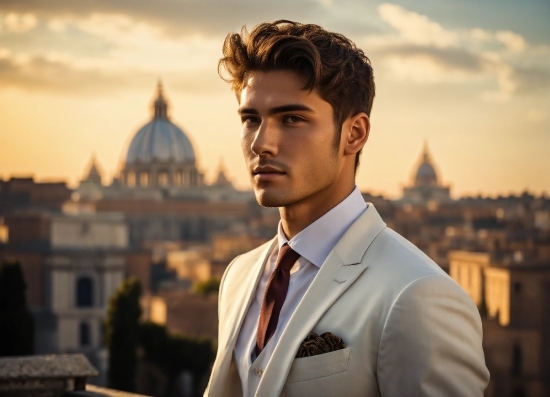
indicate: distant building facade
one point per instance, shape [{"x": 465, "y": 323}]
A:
[
  {"x": 514, "y": 300},
  {"x": 19, "y": 194},
  {"x": 73, "y": 263}
]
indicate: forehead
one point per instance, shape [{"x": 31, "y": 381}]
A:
[{"x": 275, "y": 88}]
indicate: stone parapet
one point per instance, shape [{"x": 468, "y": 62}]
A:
[
  {"x": 44, "y": 376},
  {"x": 95, "y": 391}
]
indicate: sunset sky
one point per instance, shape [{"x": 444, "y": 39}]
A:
[{"x": 472, "y": 78}]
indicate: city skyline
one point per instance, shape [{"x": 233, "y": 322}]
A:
[{"x": 470, "y": 79}]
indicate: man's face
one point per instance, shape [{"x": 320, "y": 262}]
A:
[{"x": 287, "y": 139}]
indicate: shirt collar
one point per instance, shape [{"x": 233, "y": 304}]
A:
[{"x": 317, "y": 240}]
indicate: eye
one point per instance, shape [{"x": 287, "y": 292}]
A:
[
  {"x": 292, "y": 119},
  {"x": 249, "y": 119}
]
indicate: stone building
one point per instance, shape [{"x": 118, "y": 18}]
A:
[
  {"x": 514, "y": 299},
  {"x": 160, "y": 154},
  {"x": 73, "y": 263},
  {"x": 20, "y": 194}
]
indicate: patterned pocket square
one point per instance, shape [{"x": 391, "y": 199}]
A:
[{"x": 315, "y": 344}]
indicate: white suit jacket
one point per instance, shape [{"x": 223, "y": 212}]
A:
[{"x": 409, "y": 329}]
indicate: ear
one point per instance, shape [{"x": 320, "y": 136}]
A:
[{"x": 356, "y": 132}]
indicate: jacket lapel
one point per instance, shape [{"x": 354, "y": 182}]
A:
[
  {"x": 242, "y": 294},
  {"x": 341, "y": 268}
]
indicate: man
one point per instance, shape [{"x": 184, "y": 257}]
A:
[{"x": 336, "y": 304}]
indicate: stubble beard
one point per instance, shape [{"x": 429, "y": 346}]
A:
[{"x": 272, "y": 197}]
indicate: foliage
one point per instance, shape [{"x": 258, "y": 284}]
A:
[
  {"x": 207, "y": 287},
  {"x": 174, "y": 353},
  {"x": 16, "y": 323},
  {"x": 122, "y": 334}
]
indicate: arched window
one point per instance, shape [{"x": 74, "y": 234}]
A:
[
  {"x": 84, "y": 334},
  {"x": 84, "y": 292}
]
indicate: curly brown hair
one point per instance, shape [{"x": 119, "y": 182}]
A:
[{"x": 330, "y": 63}]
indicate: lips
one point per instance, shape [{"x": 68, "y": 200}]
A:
[
  {"x": 266, "y": 169},
  {"x": 267, "y": 173}
]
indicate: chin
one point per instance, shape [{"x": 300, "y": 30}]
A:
[{"x": 270, "y": 199}]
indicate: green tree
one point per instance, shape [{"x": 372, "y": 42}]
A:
[
  {"x": 173, "y": 353},
  {"x": 16, "y": 323},
  {"x": 207, "y": 287},
  {"x": 122, "y": 334}
]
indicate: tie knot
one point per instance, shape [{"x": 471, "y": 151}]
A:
[{"x": 286, "y": 258}]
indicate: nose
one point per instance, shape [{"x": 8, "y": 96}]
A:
[{"x": 265, "y": 140}]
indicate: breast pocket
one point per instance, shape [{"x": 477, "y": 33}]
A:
[{"x": 320, "y": 366}]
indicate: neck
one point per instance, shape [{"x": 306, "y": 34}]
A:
[{"x": 297, "y": 216}]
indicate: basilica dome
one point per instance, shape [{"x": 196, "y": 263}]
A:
[
  {"x": 160, "y": 154},
  {"x": 426, "y": 188},
  {"x": 160, "y": 140}
]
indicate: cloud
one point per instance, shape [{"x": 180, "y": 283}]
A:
[
  {"x": 18, "y": 23},
  {"x": 533, "y": 79},
  {"x": 423, "y": 51},
  {"x": 449, "y": 58},
  {"x": 513, "y": 41},
  {"x": 173, "y": 17},
  {"x": 57, "y": 74},
  {"x": 416, "y": 28}
]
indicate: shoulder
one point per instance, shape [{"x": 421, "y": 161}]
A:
[{"x": 396, "y": 263}]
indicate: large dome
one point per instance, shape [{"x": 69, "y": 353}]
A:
[{"x": 160, "y": 140}]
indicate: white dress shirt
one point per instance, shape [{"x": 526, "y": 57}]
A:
[{"x": 314, "y": 244}]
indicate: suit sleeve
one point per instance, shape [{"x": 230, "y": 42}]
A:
[
  {"x": 220, "y": 322},
  {"x": 431, "y": 344}
]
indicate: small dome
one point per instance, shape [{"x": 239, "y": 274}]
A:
[
  {"x": 94, "y": 174},
  {"x": 425, "y": 174},
  {"x": 160, "y": 139}
]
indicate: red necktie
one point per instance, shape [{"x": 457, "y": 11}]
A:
[{"x": 274, "y": 296}]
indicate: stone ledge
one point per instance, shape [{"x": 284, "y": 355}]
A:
[
  {"x": 41, "y": 367},
  {"x": 95, "y": 391}
]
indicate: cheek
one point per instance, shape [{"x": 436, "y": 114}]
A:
[{"x": 246, "y": 142}]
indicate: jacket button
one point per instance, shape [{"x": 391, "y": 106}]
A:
[{"x": 258, "y": 371}]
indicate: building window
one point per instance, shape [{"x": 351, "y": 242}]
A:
[
  {"x": 84, "y": 292},
  {"x": 163, "y": 178},
  {"x": 144, "y": 179},
  {"x": 131, "y": 179},
  {"x": 84, "y": 333}
]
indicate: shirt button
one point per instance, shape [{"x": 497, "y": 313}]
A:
[{"x": 259, "y": 372}]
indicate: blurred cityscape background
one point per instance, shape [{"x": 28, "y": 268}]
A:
[{"x": 122, "y": 221}]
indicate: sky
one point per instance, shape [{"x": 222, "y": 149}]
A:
[{"x": 470, "y": 78}]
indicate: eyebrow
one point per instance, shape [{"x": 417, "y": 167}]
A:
[{"x": 278, "y": 109}]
